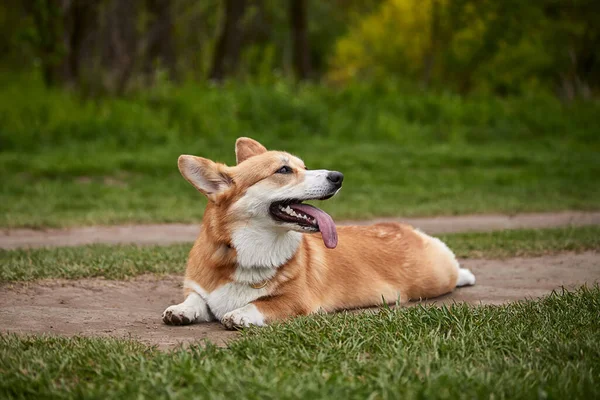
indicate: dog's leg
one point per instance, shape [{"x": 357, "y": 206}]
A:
[
  {"x": 243, "y": 317},
  {"x": 193, "y": 309},
  {"x": 263, "y": 311}
]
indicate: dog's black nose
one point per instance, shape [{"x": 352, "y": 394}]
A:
[{"x": 335, "y": 177}]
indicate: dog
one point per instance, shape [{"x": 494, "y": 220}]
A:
[{"x": 263, "y": 255}]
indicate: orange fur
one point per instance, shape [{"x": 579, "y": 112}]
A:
[
  {"x": 384, "y": 262},
  {"x": 371, "y": 264}
]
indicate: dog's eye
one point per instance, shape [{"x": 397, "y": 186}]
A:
[{"x": 284, "y": 170}]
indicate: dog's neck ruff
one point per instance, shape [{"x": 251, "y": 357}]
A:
[{"x": 261, "y": 250}]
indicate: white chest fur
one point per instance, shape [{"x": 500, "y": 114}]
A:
[
  {"x": 258, "y": 246},
  {"x": 232, "y": 296},
  {"x": 228, "y": 297},
  {"x": 260, "y": 251}
]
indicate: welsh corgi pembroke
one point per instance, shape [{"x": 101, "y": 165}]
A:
[{"x": 262, "y": 255}]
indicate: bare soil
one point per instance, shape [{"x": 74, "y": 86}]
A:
[
  {"x": 132, "y": 308},
  {"x": 177, "y": 233}
]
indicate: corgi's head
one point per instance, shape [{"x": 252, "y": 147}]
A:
[{"x": 265, "y": 189}]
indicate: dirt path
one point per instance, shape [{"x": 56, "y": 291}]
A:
[
  {"x": 132, "y": 308},
  {"x": 176, "y": 233}
]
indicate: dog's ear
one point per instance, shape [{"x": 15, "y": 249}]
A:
[
  {"x": 246, "y": 148},
  {"x": 205, "y": 175}
]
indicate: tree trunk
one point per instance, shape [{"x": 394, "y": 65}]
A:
[
  {"x": 160, "y": 44},
  {"x": 80, "y": 20},
  {"x": 229, "y": 45},
  {"x": 300, "y": 47},
  {"x": 122, "y": 44},
  {"x": 429, "y": 59},
  {"x": 49, "y": 44}
]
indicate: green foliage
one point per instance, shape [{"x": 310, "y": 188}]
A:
[
  {"x": 502, "y": 47},
  {"x": 66, "y": 162},
  {"x": 172, "y": 40},
  {"x": 125, "y": 261},
  {"x": 545, "y": 348}
]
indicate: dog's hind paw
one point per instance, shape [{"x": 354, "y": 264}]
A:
[{"x": 243, "y": 317}]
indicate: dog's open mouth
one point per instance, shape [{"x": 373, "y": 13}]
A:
[{"x": 309, "y": 218}]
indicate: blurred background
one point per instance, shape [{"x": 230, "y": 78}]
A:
[
  {"x": 119, "y": 46},
  {"x": 428, "y": 106}
]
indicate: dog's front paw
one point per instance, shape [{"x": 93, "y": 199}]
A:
[
  {"x": 179, "y": 314},
  {"x": 243, "y": 317}
]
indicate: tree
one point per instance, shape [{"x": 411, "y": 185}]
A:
[
  {"x": 301, "y": 49},
  {"x": 46, "y": 39},
  {"x": 160, "y": 44},
  {"x": 79, "y": 20},
  {"x": 229, "y": 44}
]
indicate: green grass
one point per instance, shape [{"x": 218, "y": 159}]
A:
[
  {"x": 119, "y": 262},
  {"x": 546, "y": 348},
  {"x": 66, "y": 162},
  {"x": 111, "y": 262},
  {"x": 524, "y": 243}
]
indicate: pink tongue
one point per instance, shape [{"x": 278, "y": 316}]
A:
[{"x": 325, "y": 222}]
